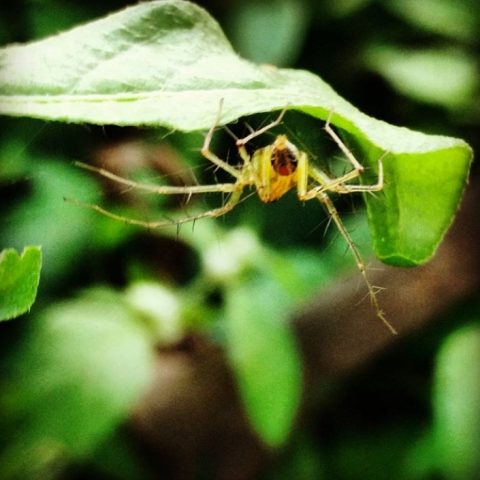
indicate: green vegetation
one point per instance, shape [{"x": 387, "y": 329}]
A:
[
  {"x": 19, "y": 276},
  {"x": 134, "y": 92}
]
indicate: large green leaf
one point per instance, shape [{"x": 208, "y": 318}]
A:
[
  {"x": 19, "y": 277},
  {"x": 167, "y": 63}
]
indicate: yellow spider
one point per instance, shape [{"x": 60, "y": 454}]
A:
[{"x": 273, "y": 171}]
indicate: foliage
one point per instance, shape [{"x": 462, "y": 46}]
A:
[
  {"x": 456, "y": 398},
  {"x": 75, "y": 367},
  {"x": 19, "y": 277},
  {"x": 168, "y": 64},
  {"x": 72, "y": 381}
]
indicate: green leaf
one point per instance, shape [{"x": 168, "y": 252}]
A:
[
  {"x": 269, "y": 32},
  {"x": 455, "y": 19},
  {"x": 416, "y": 207},
  {"x": 19, "y": 278},
  {"x": 441, "y": 76},
  {"x": 456, "y": 403},
  {"x": 167, "y": 63},
  {"x": 82, "y": 366},
  {"x": 265, "y": 358}
]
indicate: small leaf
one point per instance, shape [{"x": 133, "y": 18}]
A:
[
  {"x": 19, "y": 278},
  {"x": 265, "y": 358},
  {"x": 167, "y": 63}
]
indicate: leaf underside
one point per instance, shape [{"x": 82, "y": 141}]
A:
[{"x": 167, "y": 63}]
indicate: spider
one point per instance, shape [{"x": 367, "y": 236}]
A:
[{"x": 273, "y": 171}]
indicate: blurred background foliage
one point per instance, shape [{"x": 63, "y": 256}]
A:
[{"x": 111, "y": 295}]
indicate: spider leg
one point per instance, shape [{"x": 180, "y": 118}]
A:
[
  {"x": 209, "y": 155},
  {"x": 339, "y": 185},
  {"x": 358, "y": 167},
  {"x": 376, "y": 187},
  {"x": 216, "y": 212},
  {"x": 304, "y": 172},
  {"x": 243, "y": 141},
  {"x": 372, "y": 291},
  {"x": 160, "y": 189}
]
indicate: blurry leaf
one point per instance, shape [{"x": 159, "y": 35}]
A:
[
  {"x": 239, "y": 250},
  {"x": 119, "y": 459},
  {"x": 31, "y": 460},
  {"x": 440, "y": 76},
  {"x": 44, "y": 218},
  {"x": 50, "y": 16},
  {"x": 456, "y": 404},
  {"x": 160, "y": 307},
  {"x": 76, "y": 377},
  {"x": 269, "y": 31},
  {"x": 264, "y": 356},
  {"x": 373, "y": 454},
  {"x": 301, "y": 460},
  {"x": 14, "y": 165},
  {"x": 167, "y": 63},
  {"x": 451, "y": 18},
  {"x": 303, "y": 272},
  {"x": 19, "y": 277},
  {"x": 343, "y": 8},
  {"x": 421, "y": 459}
]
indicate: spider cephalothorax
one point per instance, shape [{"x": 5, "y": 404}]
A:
[{"x": 277, "y": 168}]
